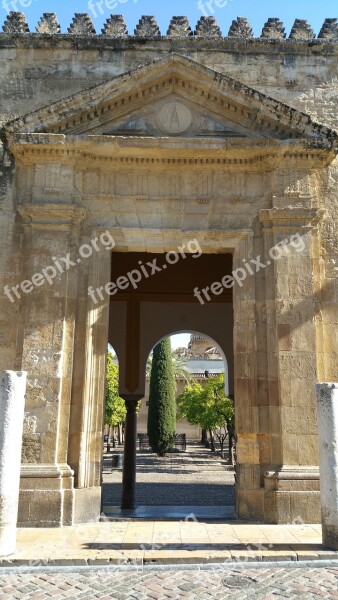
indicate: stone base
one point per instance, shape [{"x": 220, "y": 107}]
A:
[
  {"x": 87, "y": 505},
  {"x": 330, "y": 536},
  {"x": 291, "y": 495},
  {"x": 46, "y": 496}
]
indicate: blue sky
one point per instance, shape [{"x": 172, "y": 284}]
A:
[{"x": 224, "y": 10}]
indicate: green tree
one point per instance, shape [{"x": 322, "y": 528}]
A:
[
  {"x": 162, "y": 405},
  {"x": 115, "y": 406},
  {"x": 180, "y": 368},
  {"x": 209, "y": 407}
]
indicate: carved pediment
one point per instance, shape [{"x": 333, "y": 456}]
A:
[
  {"x": 173, "y": 117},
  {"x": 174, "y": 96}
]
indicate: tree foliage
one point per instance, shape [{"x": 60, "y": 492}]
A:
[
  {"x": 180, "y": 368},
  {"x": 115, "y": 406},
  {"x": 162, "y": 404},
  {"x": 208, "y": 407}
]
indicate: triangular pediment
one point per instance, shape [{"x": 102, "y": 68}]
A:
[{"x": 174, "y": 96}]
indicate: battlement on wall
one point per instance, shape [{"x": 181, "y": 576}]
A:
[{"x": 179, "y": 27}]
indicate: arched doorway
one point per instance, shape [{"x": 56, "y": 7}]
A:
[
  {"x": 163, "y": 300},
  {"x": 192, "y": 478}
]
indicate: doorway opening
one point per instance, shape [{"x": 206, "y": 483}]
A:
[{"x": 160, "y": 307}]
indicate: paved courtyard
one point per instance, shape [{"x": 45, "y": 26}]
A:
[
  {"x": 265, "y": 582},
  {"x": 195, "y": 477}
]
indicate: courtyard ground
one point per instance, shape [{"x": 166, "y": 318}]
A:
[{"x": 196, "y": 477}]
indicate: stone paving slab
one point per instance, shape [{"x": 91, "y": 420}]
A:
[
  {"x": 169, "y": 542},
  {"x": 237, "y": 582}
]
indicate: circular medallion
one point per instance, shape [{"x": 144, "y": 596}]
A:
[{"x": 174, "y": 118}]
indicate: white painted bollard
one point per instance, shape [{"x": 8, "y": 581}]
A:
[
  {"x": 327, "y": 410},
  {"x": 12, "y": 402}
]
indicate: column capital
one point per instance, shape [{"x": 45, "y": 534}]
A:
[
  {"x": 132, "y": 400},
  {"x": 290, "y": 217},
  {"x": 50, "y": 215}
]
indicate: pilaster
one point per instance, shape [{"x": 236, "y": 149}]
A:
[{"x": 46, "y": 334}]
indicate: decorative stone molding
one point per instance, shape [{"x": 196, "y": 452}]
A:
[
  {"x": 41, "y": 471},
  {"x": 179, "y": 27},
  {"x": 302, "y": 30},
  {"x": 82, "y": 24},
  {"x": 208, "y": 27},
  {"x": 16, "y": 23},
  {"x": 147, "y": 27},
  {"x": 329, "y": 30},
  {"x": 46, "y": 214},
  {"x": 290, "y": 218},
  {"x": 115, "y": 26},
  {"x": 48, "y": 24},
  {"x": 240, "y": 28},
  {"x": 274, "y": 29}
]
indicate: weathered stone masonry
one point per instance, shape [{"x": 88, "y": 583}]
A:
[{"x": 90, "y": 144}]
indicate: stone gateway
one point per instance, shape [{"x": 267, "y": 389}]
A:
[{"x": 117, "y": 153}]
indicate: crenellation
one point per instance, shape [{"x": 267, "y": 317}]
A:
[
  {"x": 241, "y": 28},
  {"x": 274, "y": 29},
  {"x": 16, "y": 23},
  {"x": 82, "y": 24},
  {"x": 49, "y": 24},
  {"x": 329, "y": 31},
  {"x": 179, "y": 27},
  {"x": 208, "y": 27},
  {"x": 302, "y": 30},
  {"x": 147, "y": 27},
  {"x": 115, "y": 27}
]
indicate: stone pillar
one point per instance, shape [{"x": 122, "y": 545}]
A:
[
  {"x": 129, "y": 467},
  {"x": 88, "y": 386},
  {"x": 46, "y": 334},
  {"x": 12, "y": 402},
  {"x": 249, "y": 494},
  {"x": 288, "y": 417},
  {"x": 327, "y": 413}
]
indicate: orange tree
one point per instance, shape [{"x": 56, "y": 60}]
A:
[{"x": 209, "y": 407}]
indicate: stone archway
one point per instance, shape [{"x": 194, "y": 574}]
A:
[{"x": 77, "y": 177}]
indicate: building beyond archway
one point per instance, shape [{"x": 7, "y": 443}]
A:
[{"x": 214, "y": 151}]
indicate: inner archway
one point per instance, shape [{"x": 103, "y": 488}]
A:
[
  {"x": 155, "y": 303},
  {"x": 192, "y": 478}
]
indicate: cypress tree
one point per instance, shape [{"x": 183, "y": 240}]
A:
[{"x": 162, "y": 403}]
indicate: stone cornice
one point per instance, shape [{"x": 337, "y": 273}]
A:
[
  {"x": 158, "y": 152},
  {"x": 83, "y": 42}
]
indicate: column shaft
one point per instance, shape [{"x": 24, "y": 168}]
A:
[
  {"x": 12, "y": 401},
  {"x": 327, "y": 411},
  {"x": 129, "y": 468}
]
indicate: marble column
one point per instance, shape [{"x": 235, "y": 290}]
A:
[
  {"x": 12, "y": 402},
  {"x": 327, "y": 412}
]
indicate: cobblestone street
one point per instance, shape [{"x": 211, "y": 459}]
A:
[
  {"x": 260, "y": 582},
  {"x": 195, "y": 477}
]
